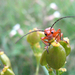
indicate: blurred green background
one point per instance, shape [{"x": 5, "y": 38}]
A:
[{"x": 29, "y": 14}]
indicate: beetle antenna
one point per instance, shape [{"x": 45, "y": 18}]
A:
[
  {"x": 60, "y": 19},
  {"x": 28, "y": 33}
]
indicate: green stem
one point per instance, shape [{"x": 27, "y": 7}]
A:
[
  {"x": 37, "y": 69},
  {"x": 45, "y": 70},
  {"x": 51, "y": 73},
  {"x": 57, "y": 72}
]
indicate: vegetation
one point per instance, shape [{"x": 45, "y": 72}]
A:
[{"x": 29, "y": 14}]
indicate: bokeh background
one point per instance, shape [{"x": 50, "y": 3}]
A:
[{"x": 17, "y": 17}]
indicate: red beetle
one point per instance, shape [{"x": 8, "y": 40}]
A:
[{"x": 50, "y": 33}]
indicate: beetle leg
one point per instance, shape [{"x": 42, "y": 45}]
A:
[
  {"x": 45, "y": 42},
  {"x": 59, "y": 35},
  {"x": 47, "y": 50},
  {"x": 46, "y": 47}
]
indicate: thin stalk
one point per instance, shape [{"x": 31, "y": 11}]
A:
[
  {"x": 51, "y": 73},
  {"x": 57, "y": 72},
  {"x": 38, "y": 62},
  {"x": 37, "y": 69}
]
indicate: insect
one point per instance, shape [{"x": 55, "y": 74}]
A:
[{"x": 50, "y": 33}]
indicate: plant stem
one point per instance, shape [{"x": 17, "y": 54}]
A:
[
  {"x": 37, "y": 68},
  {"x": 57, "y": 72},
  {"x": 45, "y": 69}
]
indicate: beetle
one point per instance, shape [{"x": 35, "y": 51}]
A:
[{"x": 50, "y": 33}]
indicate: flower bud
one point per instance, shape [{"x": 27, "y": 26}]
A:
[
  {"x": 41, "y": 34},
  {"x": 33, "y": 38},
  {"x": 7, "y": 71},
  {"x": 66, "y": 45},
  {"x": 5, "y": 60},
  {"x": 43, "y": 58},
  {"x": 56, "y": 56}
]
